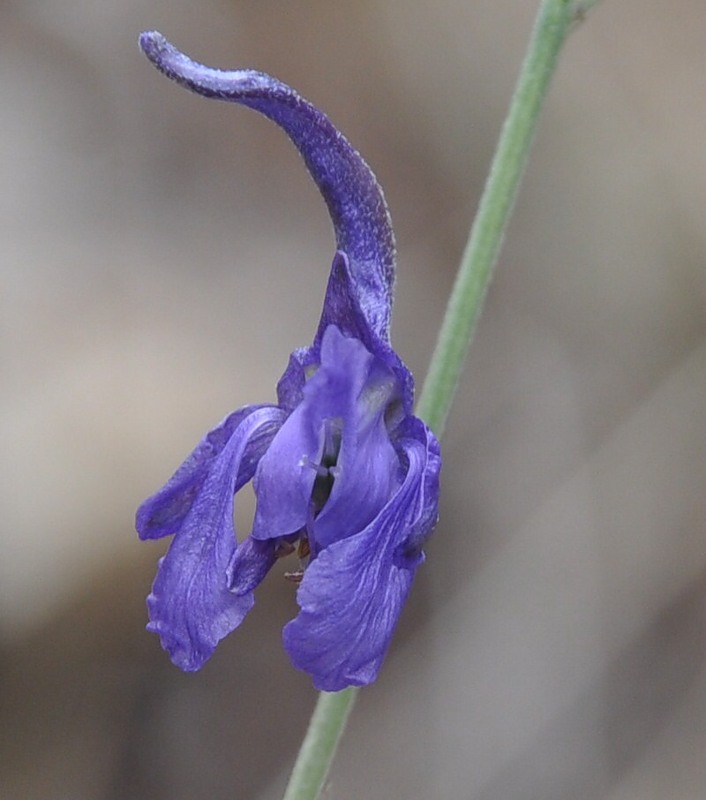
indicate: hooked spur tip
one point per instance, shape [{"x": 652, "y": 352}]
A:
[
  {"x": 174, "y": 64},
  {"x": 161, "y": 52},
  {"x": 152, "y": 43}
]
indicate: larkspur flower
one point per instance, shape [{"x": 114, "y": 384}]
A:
[{"x": 343, "y": 472}]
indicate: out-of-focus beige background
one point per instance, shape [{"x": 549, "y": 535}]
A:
[{"x": 160, "y": 255}]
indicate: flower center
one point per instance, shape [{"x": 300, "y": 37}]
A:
[{"x": 327, "y": 470}]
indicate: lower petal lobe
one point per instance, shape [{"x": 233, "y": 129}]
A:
[
  {"x": 190, "y": 606},
  {"x": 164, "y": 512},
  {"x": 352, "y": 594}
]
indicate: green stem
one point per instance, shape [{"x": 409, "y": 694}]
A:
[
  {"x": 552, "y": 25},
  {"x": 320, "y": 744},
  {"x": 480, "y": 255}
]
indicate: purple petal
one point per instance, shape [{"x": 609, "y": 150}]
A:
[
  {"x": 342, "y": 308},
  {"x": 354, "y": 198},
  {"x": 352, "y": 594},
  {"x": 350, "y": 392},
  {"x": 367, "y": 471},
  {"x": 164, "y": 512},
  {"x": 190, "y": 606},
  {"x": 250, "y": 563},
  {"x": 284, "y": 480}
]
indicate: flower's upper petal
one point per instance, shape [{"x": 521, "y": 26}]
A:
[
  {"x": 353, "y": 592},
  {"x": 164, "y": 512},
  {"x": 353, "y": 196},
  {"x": 343, "y": 308},
  {"x": 190, "y": 606},
  {"x": 368, "y": 469},
  {"x": 284, "y": 479},
  {"x": 344, "y": 400}
]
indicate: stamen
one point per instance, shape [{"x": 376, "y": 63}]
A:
[
  {"x": 284, "y": 549},
  {"x": 320, "y": 470},
  {"x": 304, "y": 550}
]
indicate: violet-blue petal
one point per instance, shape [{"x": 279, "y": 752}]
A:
[
  {"x": 190, "y": 606},
  {"x": 284, "y": 480},
  {"x": 349, "y": 393},
  {"x": 352, "y": 594},
  {"x": 250, "y": 563},
  {"x": 354, "y": 198},
  {"x": 342, "y": 308},
  {"x": 367, "y": 471},
  {"x": 164, "y": 512}
]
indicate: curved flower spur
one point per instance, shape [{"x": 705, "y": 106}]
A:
[{"x": 344, "y": 474}]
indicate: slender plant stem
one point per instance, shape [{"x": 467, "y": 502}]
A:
[
  {"x": 480, "y": 255},
  {"x": 554, "y": 20},
  {"x": 320, "y": 743}
]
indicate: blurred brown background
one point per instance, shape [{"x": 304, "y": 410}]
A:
[{"x": 160, "y": 256}]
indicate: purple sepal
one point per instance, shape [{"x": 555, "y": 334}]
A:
[
  {"x": 164, "y": 512},
  {"x": 191, "y": 607},
  {"x": 354, "y": 198},
  {"x": 352, "y": 594},
  {"x": 341, "y": 416},
  {"x": 343, "y": 308}
]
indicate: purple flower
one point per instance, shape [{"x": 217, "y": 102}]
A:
[{"x": 345, "y": 475}]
